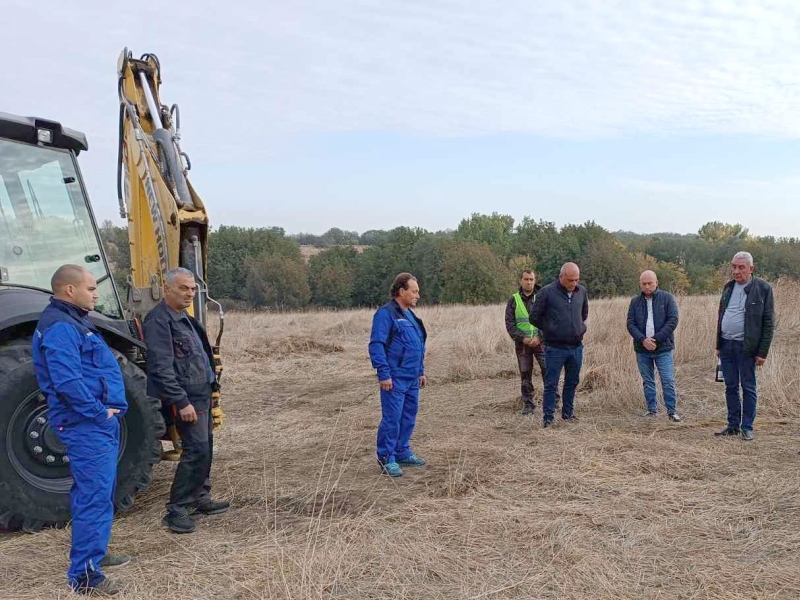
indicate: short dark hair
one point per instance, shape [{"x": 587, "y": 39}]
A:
[
  {"x": 526, "y": 271},
  {"x": 401, "y": 283}
]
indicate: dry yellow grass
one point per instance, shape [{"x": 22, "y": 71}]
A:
[{"x": 616, "y": 506}]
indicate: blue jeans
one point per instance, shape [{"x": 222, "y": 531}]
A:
[
  {"x": 399, "y": 408},
  {"x": 739, "y": 368},
  {"x": 569, "y": 359},
  {"x": 662, "y": 361},
  {"x": 92, "y": 449}
]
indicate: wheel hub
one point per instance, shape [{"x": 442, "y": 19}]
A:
[{"x": 42, "y": 442}]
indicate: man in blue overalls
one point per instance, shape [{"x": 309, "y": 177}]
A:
[
  {"x": 397, "y": 352},
  {"x": 82, "y": 381}
]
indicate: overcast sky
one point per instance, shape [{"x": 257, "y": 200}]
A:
[{"x": 641, "y": 115}]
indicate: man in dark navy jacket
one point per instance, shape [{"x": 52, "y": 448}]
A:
[
  {"x": 397, "y": 352},
  {"x": 652, "y": 319},
  {"x": 82, "y": 381}
]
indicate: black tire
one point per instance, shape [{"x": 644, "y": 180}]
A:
[{"x": 34, "y": 490}]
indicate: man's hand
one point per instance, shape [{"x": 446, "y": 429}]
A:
[
  {"x": 386, "y": 385},
  {"x": 535, "y": 342},
  {"x": 188, "y": 414},
  {"x": 423, "y": 381},
  {"x": 526, "y": 341},
  {"x": 649, "y": 344},
  {"x": 760, "y": 360},
  {"x": 111, "y": 412}
]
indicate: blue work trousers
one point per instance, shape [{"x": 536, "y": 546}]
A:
[
  {"x": 92, "y": 448},
  {"x": 399, "y": 409}
]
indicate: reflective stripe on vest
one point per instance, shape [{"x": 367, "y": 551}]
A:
[{"x": 523, "y": 318}]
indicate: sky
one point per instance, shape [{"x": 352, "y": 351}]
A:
[{"x": 641, "y": 115}]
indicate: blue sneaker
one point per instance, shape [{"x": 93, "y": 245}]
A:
[
  {"x": 412, "y": 460},
  {"x": 392, "y": 469}
]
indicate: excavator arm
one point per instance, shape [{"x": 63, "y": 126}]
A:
[{"x": 167, "y": 220}]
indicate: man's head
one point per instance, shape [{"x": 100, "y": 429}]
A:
[
  {"x": 76, "y": 285},
  {"x": 527, "y": 281},
  {"x": 648, "y": 283},
  {"x": 569, "y": 276},
  {"x": 742, "y": 267},
  {"x": 179, "y": 288},
  {"x": 405, "y": 290}
]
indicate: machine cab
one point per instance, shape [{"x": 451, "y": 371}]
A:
[{"x": 45, "y": 217}]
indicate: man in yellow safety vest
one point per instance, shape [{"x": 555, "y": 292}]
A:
[{"x": 527, "y": 339}]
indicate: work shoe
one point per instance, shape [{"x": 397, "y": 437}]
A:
[
  {"x": 212, "y": 507},
  {"x": 675, "y": 417},
  {"x": 178, "y": 523},
  {"x": 728, "y": 431},
  {"x": 111, "y": 561},
  {"x": 748, "y": 435},
  {"x": 650, "y": 413},
  {"x": 570, "y": 419},
  {"x": 412, "y": 460},
  {"x": 104, "y": 588},
  {"x": 528, "y": 409},
  {"x": 392, "y": 469},
  {"x": 546, "y": 423}
]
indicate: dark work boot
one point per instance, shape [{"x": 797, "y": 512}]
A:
[
  {"x": 212, "y": 507},
  {"x": 178, "y": 522},
  {"x": 114, "y": 560},
  {"x": 104, "y": 588},
  {"x": 528, "y": 406},
  {"x": 728, "y": 431}
]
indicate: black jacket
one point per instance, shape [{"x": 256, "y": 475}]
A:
[
  {"x": 177, "y": 369},
  {"x": 511, "y": 314},
  {"x": 759, "y": 316},
  {"x": 561, "y": 319},
  {"x": 665, "y": 320}
]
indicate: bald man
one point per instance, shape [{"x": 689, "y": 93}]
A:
[
  {"x": 82, "y": 381},
  {"x": 652, "y": 319},
  {"x": 560, "y": 312}
]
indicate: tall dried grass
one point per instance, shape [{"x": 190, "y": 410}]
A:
[{"x": 615, "y": 507}]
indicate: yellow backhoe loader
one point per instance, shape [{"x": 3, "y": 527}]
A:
[{"x": 46, "y": 220}]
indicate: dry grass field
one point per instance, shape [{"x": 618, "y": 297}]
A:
[{"x": 616, "y": 506}]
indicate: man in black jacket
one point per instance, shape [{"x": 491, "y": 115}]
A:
[
  {"x": 745, "y": 324},
  {"x": 560, "y": 312},
  {"x": 180, "y": 372},
  {"x": 652, "y": 319},
  {"x": 527, "y": 341}
]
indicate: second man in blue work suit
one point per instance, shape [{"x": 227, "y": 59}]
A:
[
  {"x": 397, "y": 352},
  {"x": 82, "y": 381}
]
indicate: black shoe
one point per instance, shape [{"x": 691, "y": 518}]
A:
[
  {"x": 111, "y": 561},
  {"x": 213, "y": 507},
  {"x": 570, "y": 419},
  {"x": 528, "y": 409},
  {"x": 728, "y": 431},
  {"x": 179, "y": 523},
  {"x": 104, "y": 588},
  {"x": 546, "y": 423},
  {"x": 748, "y": 435}
]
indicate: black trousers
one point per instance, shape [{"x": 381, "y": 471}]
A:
[
  {"x": 192, "y": 484},
  {"x": 525, "y": 357}
]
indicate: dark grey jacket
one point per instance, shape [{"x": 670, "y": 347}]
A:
[
  {"x": 177, "y": 368},
  {"x": 665, "y": 320},
  {"x": 561, "y": 319},
  {"x": 759, "y": 316}
]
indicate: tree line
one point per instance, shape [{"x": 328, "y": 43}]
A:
[{"x": 477, "y": 263}]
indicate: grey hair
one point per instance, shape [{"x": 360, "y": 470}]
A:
[
  {"x": 746, "y": 256},
  {"x": 169, "y": 278},
  {"x": 566, "y": 266}
]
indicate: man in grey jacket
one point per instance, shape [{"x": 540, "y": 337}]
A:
[
  {"x": 652, "y": 319},
  {"x": 180, "y": 371}
]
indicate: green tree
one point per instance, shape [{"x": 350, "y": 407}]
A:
[
  {"x": 339, "y": 237},
  {"x": 495, "y": 230},
  {"x": 716, "y": 232},
  {"x": 608, "y": 269},
  {"x": 118, "y": 251},
  {"x": 331, "y": 276},
  {"x": 277, "y": 282},
  {"x": 474, "y": 274},
  {"x": 374, "y": 272}
]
